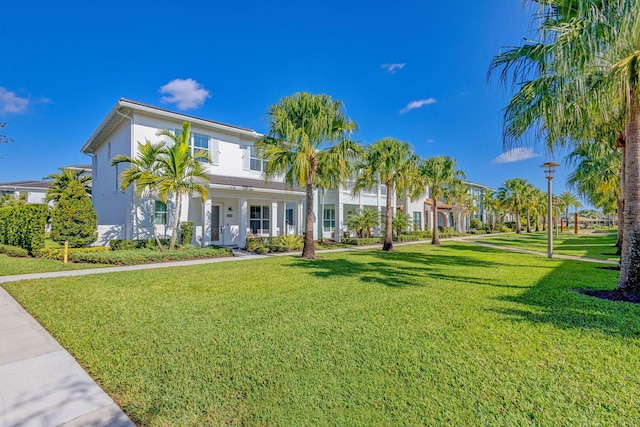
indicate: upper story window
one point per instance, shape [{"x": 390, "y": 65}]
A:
[
  {"x": 383, "y": 190},
  {"x": 255, "y": 161},
  {"x": 199, "y": 142}
]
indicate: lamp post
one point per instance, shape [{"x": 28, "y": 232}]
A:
[{"x": 549, "y": 170}]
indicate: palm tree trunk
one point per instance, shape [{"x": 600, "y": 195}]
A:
[
  {"x": 518, "y": 227},
  {"x": 388, "y": 232},
  {"x": 622, "y": 142},
  {"x": 153, "y": 224},
  {"x": 528, "y": 220},
  {"x": 629, "y": 281},
  {"x": 435, "y": 238},
  {"x": 176, "y": 221},
  {"x": 309, "y": 250}
]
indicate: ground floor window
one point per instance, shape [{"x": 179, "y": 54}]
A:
[
  {"x": 417, "y": 221},
  {"x": 329, "y": 219},
  {"x": 289, "y": 216},
  {"x": 259, "y": 219},
  {"x": 160, "y": 214}
]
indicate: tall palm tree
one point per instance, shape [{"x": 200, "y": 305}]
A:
[
  {"x": 61, "y": 180},
  {"x": 490, "y": 207},
  {"x": 439, "y": 174},
  {"x": 304, "y": 128},
  {"x": 596, "y": 50},
  {"x": 463, "y": 204},
  {"x": 528, "y": 200},
  {"x": 390, "y": 162},
  {"x": 180, "y": 174},
  {"x": 512, "y": 194},
  {"x": 146, "y": 162}
]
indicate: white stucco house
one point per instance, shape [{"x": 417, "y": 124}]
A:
[
  {"x": 241, "y": 202},
  {"x": 33, "y": 191}
]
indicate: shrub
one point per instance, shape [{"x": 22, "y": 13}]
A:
[
  {"x": 58, "y": 253},
  {"x": 142, "y": 256},
  {"x": 186, "y": 232},
  {"x": 475, "y": 223},
  {"x": 22, "y": 225},
  {"x": 291, "y": 242},
  {"x": 73, "y": 218},
  {"x": 13, "y": 251},
  {"x": 362, "y": 241},
  {"x": 256, "y": 242},
  {"x": 123, "y": 244},
  {"x": 262, "y": 250}
]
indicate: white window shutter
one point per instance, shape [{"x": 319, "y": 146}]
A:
[
  {"x": 214, "y": 151},
  {"x": 246, "y": 158}
]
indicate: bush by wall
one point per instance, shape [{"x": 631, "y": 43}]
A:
[
  {"x": 362, "y": 241},
  {"x": 186, "y": 232},
  {"x": 122, "y": 244},
  {"x": 13, "y": 251},
  {"x": 142, "y": 256},
  {"x": 22, "y": 225}
]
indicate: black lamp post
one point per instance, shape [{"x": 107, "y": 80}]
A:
[{"x": 549, "y": 170}]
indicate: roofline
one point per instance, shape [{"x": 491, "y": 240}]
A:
[{"x": 153, "y": 110}]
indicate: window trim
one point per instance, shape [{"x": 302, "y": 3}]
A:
[{"x": 159, "y": 213}]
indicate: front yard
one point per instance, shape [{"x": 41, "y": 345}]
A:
[{"x": 451, "y": 335}]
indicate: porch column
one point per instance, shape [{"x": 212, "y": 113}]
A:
[
  {"x": 273, "y": 219},
  {"x": 243, "y": 224},
  {"x": 300, "y": 218},
  {"x": 206, "y": 222},
  {"x": 339, "y": 220}
]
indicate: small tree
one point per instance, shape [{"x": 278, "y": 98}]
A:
[
  {"x": 364, "y": 221},
  {"x": 74, "y": 218},
  {"x": 401, "y": 222}
]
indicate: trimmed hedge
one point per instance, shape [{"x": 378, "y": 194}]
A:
[
  {"x": 362, "y": 241},
  {"x": 58, "y": 253},
  {"x": 142, "y": 256},
  {"x": 186, "y": 232},
  {"x": 13, "y": 251},
  {"x": 123, "y": 245},
  {"x": 23, "y": 226}
]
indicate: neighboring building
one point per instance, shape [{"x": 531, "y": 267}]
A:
[
  {"x": 32, "y": 191},
  {"x": 240, "y": 203}
]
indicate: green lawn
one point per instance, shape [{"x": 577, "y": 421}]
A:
[
  {"x": 10, "y": 266},
  {"x": 597, "y": 245},
  {"x": 453, "y": 335}
]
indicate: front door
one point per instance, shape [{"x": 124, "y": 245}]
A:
[{"x": 216, "y": 225}]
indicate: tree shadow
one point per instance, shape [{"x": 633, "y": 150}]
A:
[{"x": 551, "y": 301}]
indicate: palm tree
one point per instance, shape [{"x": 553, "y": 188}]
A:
[
  {"x": 568, "y": 200},
  {"x": 61, "y": 180},
  {"x": 490, "y": 206},
  {"x": 528, "y": 200},
  {"x": 364, "y": 221},
  {"x": 401, "y": 222},
  {"x": 304, "y": 128},
  {"x": 597, "y": 178},
  {"x": 439, "y": 174},
  {"x": 179, "y": 174},
  {"x": 146, "y": 163},
  {"x": 463, "y": 204},
  {"x": 512, "y": 194},
  {"x": 592, "y": 46},
  {"x": 390, "y": 162}
]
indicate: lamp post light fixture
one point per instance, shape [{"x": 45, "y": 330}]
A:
[{"x": 549, "y": 170}]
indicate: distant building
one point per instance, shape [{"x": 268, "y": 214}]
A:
[{"x": 32, "y": 191}]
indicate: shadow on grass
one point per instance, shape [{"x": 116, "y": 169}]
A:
[
  {"x": 556, "y": 300},
  {"x": 407, "y": 268}
]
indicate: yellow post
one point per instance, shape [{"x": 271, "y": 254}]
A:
[{"x": 65, "y": 255}]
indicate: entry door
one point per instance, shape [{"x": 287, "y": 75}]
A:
[{"x": 216, "y": 225}]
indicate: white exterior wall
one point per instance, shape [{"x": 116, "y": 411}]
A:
[{"x": 111, "y": 205}]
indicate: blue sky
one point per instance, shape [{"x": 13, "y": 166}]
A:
[{"x": 413, "y": 70}]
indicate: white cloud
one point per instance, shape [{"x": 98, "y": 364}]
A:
[
  {"x": 187, "y": 94},
  {"x": 417, "y": 104},
  {"x": 12, "y": 103},
  {"x": 430, "y": 141},
  {"x": 516, "y": 155},
  {"x": 393, "y": 67}
]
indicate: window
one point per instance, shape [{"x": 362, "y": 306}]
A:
[
  {"x": 288, "y": 216},
  {"x": 160, "y": 214},
  {"x": 117, "y": 178},
  {"x": 383, "y": 190},
  {"x": 329, "y": 218},
  {"x": 255, "y": 161},
  {"x": 259, "y": 219},
  {"x": 199, "y": 142},
  {"x": 417, "y": 221}
]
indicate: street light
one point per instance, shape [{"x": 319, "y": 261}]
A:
[{"x": 549, "y": 170}]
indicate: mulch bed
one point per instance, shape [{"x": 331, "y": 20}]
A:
[{"x": 608, "y": 295}]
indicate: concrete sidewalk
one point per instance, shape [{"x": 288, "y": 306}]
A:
[{"x": 41, "y": 385}]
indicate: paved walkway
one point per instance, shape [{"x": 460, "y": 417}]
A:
[{"x": 41, "y": 385}]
